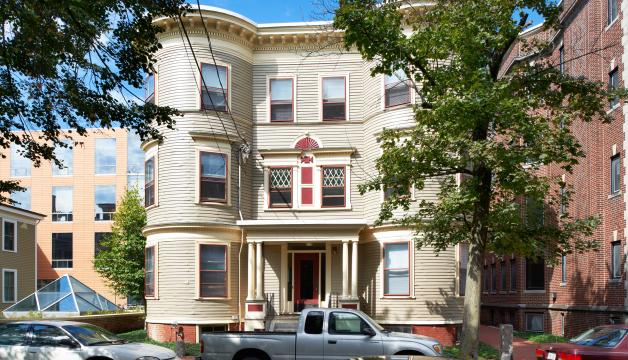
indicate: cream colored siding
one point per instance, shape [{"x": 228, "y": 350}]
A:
[
  {"x": 23, "y": 261},
  {"x": 272, "y": 274}
]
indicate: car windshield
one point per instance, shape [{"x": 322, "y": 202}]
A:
[
  {"x": 607, "y": 337},
  {"x": 373, "y": 322},
  {"x": 90, "y": 335}
]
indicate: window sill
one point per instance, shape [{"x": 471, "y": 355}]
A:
[
  {"x": 611, "y": 24},
  {"x": 613, "y": 196},
  {"x": 397, "y": 297},
  {"x": 66, "y": 222},
  {"x": 151, "y": 207},
  {"x": 8, "y": 302},
  {"x": 563, "y": 284},
  {"x": 400, "y": 106},
  {"x": 615, "y": 281},
  {"x": 611, "y": 110},
  {"x": 307, "y": 209},
  {"x": 10, "y": 251},
  {"x": 534, "y": 291},
  {"x": 211, "y": 203},
  {"x": 151, "y": 298},
  {"x": 212, "y": 298}
]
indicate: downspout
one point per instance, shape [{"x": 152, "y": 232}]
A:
[{"x": 243, "y": 154}]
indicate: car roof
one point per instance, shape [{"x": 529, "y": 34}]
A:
[{"x": 48, "y": 322}]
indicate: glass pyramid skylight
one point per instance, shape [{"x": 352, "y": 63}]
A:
[{"x": 65, "y": 296}]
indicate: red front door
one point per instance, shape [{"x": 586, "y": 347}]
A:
[{"x": 305, "y": 281}]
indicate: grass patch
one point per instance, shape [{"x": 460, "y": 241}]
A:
[
  {"x": 141, "y": 337},
  {"x": 484, "y": 353},
  {"x": 540, "y": 338}
]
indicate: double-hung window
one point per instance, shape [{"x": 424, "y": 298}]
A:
[
  {"x": 149, "y": 88},
  {"x": 493, "y": 278},
  {"x": 397, "y": 269},
  {"x": 280, "y": 181},
  {"x": 149, "y": 271},
  {"x": 333, "y": 186},
  {"x": 612, "y": 10},
  {"x": 563, "y": 268},
  {"x": 149, "y": 182},
  {"x": 213, "y": 271},
  {"x": 613, "y": 84},
  {"x": 62, "y": 203},
  {"x": 9, "y": 235},
  {"x": 281, "y": 100},
  {"x": 535, "y": 274},
  {"x": 334, "y": 98},
  {"x": 616, "y": 255},
  {"x": 513, "y": 275},
  {"x": 62, "y": 250},
  {"x": 503, "y": 275},
  {"x": 213, "y": 177},
  {"x": 9, "y": 286},
  {"x": 214, "y": 87},
  {"x": 615, "y": 174},
  {"x": 396, "y": 89}
]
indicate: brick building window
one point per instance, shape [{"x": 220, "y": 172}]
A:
[
  {"x": 281, "y": 99},
  {"x": 613, "y": 84},
  {"x": 615, "y": 174},
  {"x": 213, "y": 271},
  {"x": 503, "y": 275},
  {"x": 62, "y": 250},
  {"x": 62, "y": 203},
  {"x": 149, "y": 272},
  {"x": 280, "y": 181},
  {"x": 214, "y": 87},
  {"x": 561, "y": 59},
  {"x": 493, "y": 277},
  {"x": 396, "y": 89},
  {"x": 513, "y": 275},
  {"x": 485, "y": 275},
  {"x": 612, "y": 10},
  {"x": 563, "y": 200},
  {"x": 616, "y": 259},
  {"x": 105, "y": 199},
  {"x": 213, "y": 177},
  {"x": 535, "y": 274},
  {"x": 334, "y": 98},
  {"x": 397, "y": 269},
  {"x": 149, "y": 182},
  {"x": 563, "y": 269},
  {"x": 534, "y": 322},
  {"x": 535, "y": 213},
  {"x": 333, "y": 186}
]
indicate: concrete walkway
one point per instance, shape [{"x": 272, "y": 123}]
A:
[{"x": 523, "y": 349}]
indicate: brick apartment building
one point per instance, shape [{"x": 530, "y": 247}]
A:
[
  {"x": 582, "y": 290},
  {"x": 78, "y": 201}
]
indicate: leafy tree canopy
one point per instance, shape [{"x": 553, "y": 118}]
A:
[
  {"x": 73, "y": 65},
  {"x": 121, "y": 260}
]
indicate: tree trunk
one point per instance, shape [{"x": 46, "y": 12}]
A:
[{"x": 473, "y": 290}]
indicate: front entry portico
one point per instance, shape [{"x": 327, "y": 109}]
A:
[{"x": 306, "y": 280}]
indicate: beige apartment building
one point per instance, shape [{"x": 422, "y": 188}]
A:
[
  {"x": 78, "y": 200},
  {"x": 18, "y": 253},
  {"x": 237, "y": 239}
]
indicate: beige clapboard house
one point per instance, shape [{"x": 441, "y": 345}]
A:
[
  {"x": 240, "y": 240},
  {"x": 18, "y": 254}
]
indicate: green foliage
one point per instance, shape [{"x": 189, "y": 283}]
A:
[
  {"x": 65, "y": 65},
  {"x": 141, "y": 337},
  {"x": 540, "y": 338},
  {"x": 121, "y": 263},
  {"x": 485, "y": 352}
]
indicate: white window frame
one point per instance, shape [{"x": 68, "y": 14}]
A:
[
  {"x": 226, "y": 151},
  {"x": 411, "y": 270},
  {"x": 15, "y": 237},
  {"x": 382, "y": 96},
  {"x": 197, "y": 269},
  {"x": 347, "y": 92},
  {"x": 199, "y": 82},
  {"x": 294, "y": 97},
  {"x": 155, "y": 247},
  {"x": 153, "y": 152},
  {"x": 14, "y": 271}
]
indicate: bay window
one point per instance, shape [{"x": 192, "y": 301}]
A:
[
  {"x": 280, "y": 181},
  {"x": 214, "y": 87},
  {"x": 281, "y": 100},
  {"x": 213, "y": 177},
  {"x": 334, "y": 98},
  {"x": 333, "y": 186},
  {"x": 396, "y": 89},
  {"x": 212, "y": 271},
  {"x": 149, "y": 182},
  {"x": 397, "y": 269},
  {"x": 149, "y": 271}
]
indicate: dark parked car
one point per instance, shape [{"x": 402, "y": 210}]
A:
[{"x": 600, "y": 343}]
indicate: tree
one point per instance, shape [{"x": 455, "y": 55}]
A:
[
  {"x": 121, "y": 258},
  {"x": 74, "y": 65},
  {"x": 496, "y": 133}
]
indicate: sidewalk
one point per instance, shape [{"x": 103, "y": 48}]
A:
[{"x": 523, "y": 349}]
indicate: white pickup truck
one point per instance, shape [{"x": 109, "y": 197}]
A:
[{"x": 321, "y": 334}]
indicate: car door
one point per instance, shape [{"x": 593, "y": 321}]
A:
[
  {"x": 14, "y": 341},
  {"x": 310, "y": 338},
  {"x": 346, "y": 337},
  {"x": 49, "y": 342}
]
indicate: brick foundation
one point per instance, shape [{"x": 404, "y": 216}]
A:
[
  {"x": 446, "y": 334},
  {"x": 165, "y": 332}
]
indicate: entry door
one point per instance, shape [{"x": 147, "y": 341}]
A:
[{"x": 305, "y": 280}]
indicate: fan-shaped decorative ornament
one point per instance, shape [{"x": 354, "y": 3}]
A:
[{"x": 306, "y": 143}]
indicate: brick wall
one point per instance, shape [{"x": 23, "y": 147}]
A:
[
  {"x": 446, "y": 334},
  {"x": 166, "y": 333}
]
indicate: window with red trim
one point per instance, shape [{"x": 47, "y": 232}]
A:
[
  {"x": 334, "y": 98},
  {"x": 149, "y": 182},
  {"x": 333, "y": 186},
  {"x": 213, "y": 177},
  {"x": 397, "y": 269},
  {"x": 281, "y": 100},
  {"x": 396, "y": 89},
  {"x": 214, "y": 87},
  {"x": 149, "y": 271},
  {"x": 213, "y": 271},
  {"x": 280, "y": 187}
]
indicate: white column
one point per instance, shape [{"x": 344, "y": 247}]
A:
[
  {"x": 250, "y": 295},
  {"x": 354, "y": 270},
  {"x": 345, "y": 269},
  {"x": 259, "y": 264}
]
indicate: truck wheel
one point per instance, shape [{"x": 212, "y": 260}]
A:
[{"x": 251, "y": 358}]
